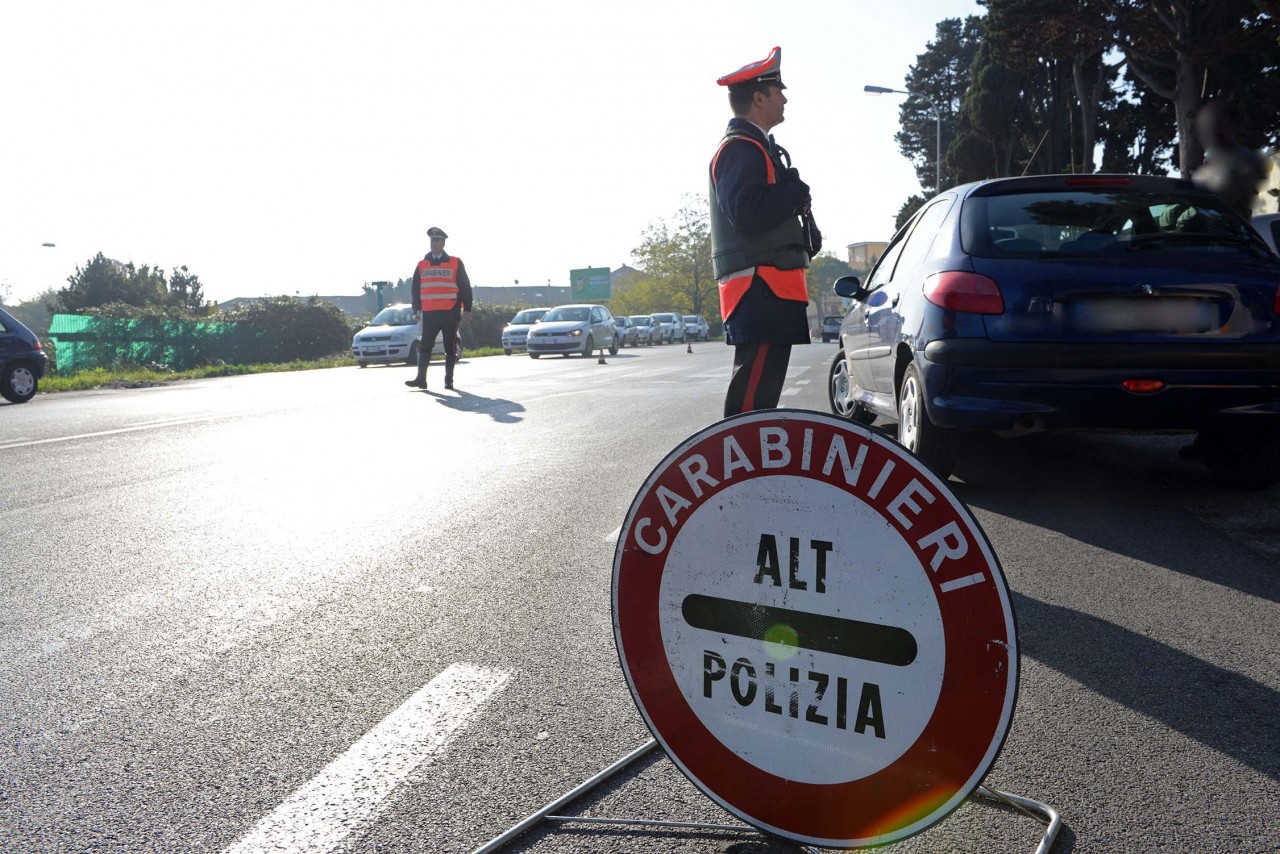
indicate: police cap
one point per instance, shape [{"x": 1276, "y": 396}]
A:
[
  {"x": 767, "y": 70},
  {"x": 436, "y": 232}
]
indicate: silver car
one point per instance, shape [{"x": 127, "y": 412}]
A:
[
  {"x": 646, "y": 329},
  {"x": 515, "y": 333},
  {"x": 578, "y": 328},
  {"x": 393, "y": 336}
]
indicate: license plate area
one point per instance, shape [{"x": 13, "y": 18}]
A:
[{"x": 1151, "y": 315}]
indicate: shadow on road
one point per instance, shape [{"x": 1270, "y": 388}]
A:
[
  {"x": 1218, "y": 708},
  {"x": 499, "y": 409},
  {"x": 1135, "y": 499}
]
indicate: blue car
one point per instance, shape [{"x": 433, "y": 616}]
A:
[
  {"x": 1089, "y": 301},
  {"x": 22, "y": 360}
]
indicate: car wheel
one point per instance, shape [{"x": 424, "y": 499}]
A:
[
  {"x": 363, "y": 364},
  {"x": 935, "y": 446},
  {"x": 1242, "y": 460},
  {"x": 506, "y": 352},
  {"x": 587, "y": 347},
  {"x": 840, "y": 391},
  {"x": 613, "y": 348},
  {"x": 18, "y": 383},
  {"x": 534, "y": 355}
]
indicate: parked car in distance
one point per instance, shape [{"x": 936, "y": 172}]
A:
[
  {"x": 830, "y": 329},
  {"x": 579, "y": 328},
  {"x": 516, "y": 332},
  {"x": 628, "y": 332},
  {"x": 393, "y": 336},
  {"x": 1268, "y": 225},
  {"x": 696, "y": 327},
  {"x": 670, "y": 326},
  {"x": 661, "y": 327},
  {"x": 22, "y": 360},
  {"x": 1089, "y": 301},
  {"x": 646, "y": 328}
]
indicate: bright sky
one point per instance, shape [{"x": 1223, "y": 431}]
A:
[{"x": 280, "y": 146}]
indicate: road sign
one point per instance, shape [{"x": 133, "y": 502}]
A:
[
  {"x": 591, "y": 284},
  {"x": 814, "y": 628}
]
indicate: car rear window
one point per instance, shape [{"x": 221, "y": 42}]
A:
[{"x": 1101, "y": 222}]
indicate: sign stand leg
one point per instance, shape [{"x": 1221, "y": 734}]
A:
[{"x": 1041, "y": 812}]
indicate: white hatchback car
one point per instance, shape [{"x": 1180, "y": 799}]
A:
[
  {"x": 577, "y": 328},
  {"x": 393, "y": 336},
  {"x": 516, "y": 333}
]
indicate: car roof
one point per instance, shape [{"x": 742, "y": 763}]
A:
[{"x": 1032, "y": 183}]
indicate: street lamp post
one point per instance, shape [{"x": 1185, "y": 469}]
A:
[{"x": 937, "y": 114}]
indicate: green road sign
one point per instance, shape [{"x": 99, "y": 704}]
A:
[{"x": 590, "y": 285}]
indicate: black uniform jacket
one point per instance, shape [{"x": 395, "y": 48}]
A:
[
  {"x": 753, "y": 206},
  {"x": 464, "y": 283}
]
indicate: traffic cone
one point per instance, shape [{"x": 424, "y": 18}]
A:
[
  {"x": 688, "y": 346},
  {"x": 601, "y": 360}
]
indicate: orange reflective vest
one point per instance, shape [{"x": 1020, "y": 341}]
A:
[
  {"x": 785, "y": 284},
  {"x": 438, "y": 284}
]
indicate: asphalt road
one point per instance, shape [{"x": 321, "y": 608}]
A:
[{"x": 322, "y": 612}]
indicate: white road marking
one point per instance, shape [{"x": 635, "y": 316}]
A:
[
  {"x": 147, "y": 426},
  {"x": 349, "y": 792},
  {"x": 790, "y": 392}
]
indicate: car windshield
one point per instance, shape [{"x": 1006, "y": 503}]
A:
[
  {"x": 393, "y": 315},
  {"x": 691, "y": 318},
  {"x": 576, "y": 313},
  {"x": 529, "y": 315},
  {"x": 642, "y": 320},
  {"x": 1080, "y": 223},
  {"x": 831, "y": 320}
]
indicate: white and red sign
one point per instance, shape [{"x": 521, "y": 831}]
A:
[{"x": 815, "y": 629}]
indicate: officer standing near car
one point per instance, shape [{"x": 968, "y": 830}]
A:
[
  {"x": 762, "y": 237},
  {"x": 442, "y": 292}
]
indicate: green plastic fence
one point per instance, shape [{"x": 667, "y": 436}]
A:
[{"x": 83, "y": 342}]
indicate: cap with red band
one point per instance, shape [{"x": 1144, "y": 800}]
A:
[{"x": 768, "y": 70}]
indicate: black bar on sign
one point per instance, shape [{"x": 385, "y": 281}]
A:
[{"x": 817, "y": 632}]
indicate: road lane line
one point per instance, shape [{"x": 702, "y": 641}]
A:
[
  {"x": 349, "y": 792},
  {"x": 153, "y": 425}
]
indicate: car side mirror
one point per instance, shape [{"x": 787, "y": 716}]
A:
[{"x": 850, "y": 288}]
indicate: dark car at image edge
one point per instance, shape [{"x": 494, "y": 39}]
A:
[
  {"x": 22, "y": 360},
  {"x": 1070, "y": 302}
]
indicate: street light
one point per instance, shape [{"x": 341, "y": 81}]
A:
[{"x": 937, "y": 151}]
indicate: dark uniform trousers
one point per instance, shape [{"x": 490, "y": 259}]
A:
[
  {"x": 433, "y": 323},
  {"x": 759, "y": 372}
]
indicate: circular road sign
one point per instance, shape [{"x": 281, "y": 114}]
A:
[{"x": 814, "y": 628}]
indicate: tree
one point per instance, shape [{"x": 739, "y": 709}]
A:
[
  {"x": 940, "y": 76},
  {"x": 676, "y": 255},
  {"x": 186, "y": 292},
  {"x": 1180, "y": 50},
  {"x": 822, "y": 274},
  {"x": 994, "y": 120},
  {"x": 1029, "y": 34},
  {"x": 908, "y": 210},
  {"x": 104, "y": 280}
]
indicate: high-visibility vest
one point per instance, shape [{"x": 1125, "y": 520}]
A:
[
  {"x": 778, "y": 256},
  {"x": 438, "y": 284}
]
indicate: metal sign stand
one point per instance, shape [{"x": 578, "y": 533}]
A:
[{"x": 1042, "y": 813}]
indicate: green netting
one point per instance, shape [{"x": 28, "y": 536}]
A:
[{"x": 83, "y": 342}]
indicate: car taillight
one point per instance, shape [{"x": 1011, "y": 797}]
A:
[
  {"x": 1143, "y": 386},
  {"x": 39, "y": 346},
  {"x": 959, "y": 291}
]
